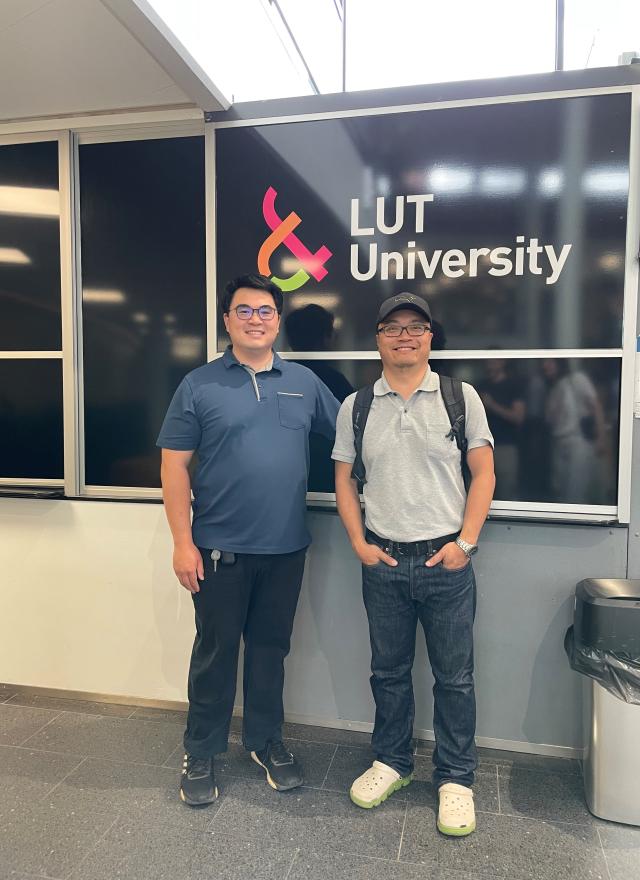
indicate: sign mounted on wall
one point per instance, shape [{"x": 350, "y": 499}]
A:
[{"x": 509, "y": 218}]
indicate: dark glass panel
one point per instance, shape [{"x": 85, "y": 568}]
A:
[
  {"x": 555, "y": 423},
  {"x": 546, "y": 181},
  {"x": 29, "y": 248},
  {"x": 31, "y": 433},
  {"x": 144, "y": 308}
]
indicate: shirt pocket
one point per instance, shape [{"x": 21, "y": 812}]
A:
[
  {"x": 291, "y": 409},
  {"x": 440, "y": 446}
]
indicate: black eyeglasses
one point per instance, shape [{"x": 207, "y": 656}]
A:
[
  {"x": 395, "y": 330},
  {"x": 245, "y": 313}
]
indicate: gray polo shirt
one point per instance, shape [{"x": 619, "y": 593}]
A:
[{"x": 414, "y": 489}]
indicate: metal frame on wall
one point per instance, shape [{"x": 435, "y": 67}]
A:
[
  {"x": 64, "y": 224},
  {"x": 525, "y": 510},
  {"x": 169, "y": 124}
]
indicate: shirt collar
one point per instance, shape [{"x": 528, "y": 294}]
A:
[
  {"x": 230, "y": 360},
  {"x": 431, "y": 382}
]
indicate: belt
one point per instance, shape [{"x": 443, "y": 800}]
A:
[{"x": 411, "y": 548}]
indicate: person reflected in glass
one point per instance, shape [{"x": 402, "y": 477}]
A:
[
  {"x": 574, "y": 415},
  {"x": 503, "y": 399},
  {"x": 247, "y": 415},
  {"x": 311, "y": 329}
]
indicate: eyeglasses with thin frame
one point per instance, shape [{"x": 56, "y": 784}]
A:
[
  {"x": 395, "y": 330},
  {"x": 245, "y": 313}
]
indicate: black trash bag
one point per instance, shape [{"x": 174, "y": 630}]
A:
[{"x": 618, "y": 673}]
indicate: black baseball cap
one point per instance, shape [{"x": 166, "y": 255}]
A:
[{"x": 403, "y": 301}]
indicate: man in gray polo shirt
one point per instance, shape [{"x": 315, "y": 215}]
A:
[
  {"x": 248, "y": 416},
  {"x": 421, "y": 530}
]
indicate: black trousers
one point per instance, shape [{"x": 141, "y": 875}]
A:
[{"x": 256, "y": 598}]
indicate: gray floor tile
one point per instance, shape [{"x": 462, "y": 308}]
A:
[
  {"x": 148, "y": 793},
  {"x": 229, "y": 857},
  {"x": 6, "y": 692},
  {"x": 506, "y": 847},
  {"x": 147, "y": 714},
  {"x": 119, "y": 739},
  {"x": 52, "y": 835},
  {"x": 129, "y": 851},
  {"x": 311, "y": 819},
  {"x": 621, "y": 844},
  {"x": 343, "y": 866},
  {"x": 554, "y": 796},
  {"x": 26, "y": 776},
  {"x": 42, "y": 701},
  {"x": 422, "y": 789},
  {"x": 17, "y": 723},
  {"x": 348, "y": 763},
  {"x": 325, "y": 734}
]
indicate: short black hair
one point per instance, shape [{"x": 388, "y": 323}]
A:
[{"x": 254, "y": 282}]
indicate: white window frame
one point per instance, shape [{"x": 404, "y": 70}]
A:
[
  {"x": 71, "y": 132},
  {"x": 621, "y": 512}
]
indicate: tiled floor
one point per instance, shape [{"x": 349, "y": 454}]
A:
[{"x": 89, "y": 791}]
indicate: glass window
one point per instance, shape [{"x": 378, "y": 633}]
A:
[
  {"x": 509, "y": 218},
  {"x": 596, "y": 34},
  {"x": 31, "y": 436},
  {"x": 410, "y": 41},
  {"x": 316, "y": 26},
  {"x": 29, "y": 247},
  {"x": 555, "y": 423},
  {"x": 144, "y": 296},
  {"x": 242, "y": 46}
]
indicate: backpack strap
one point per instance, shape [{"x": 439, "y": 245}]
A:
[
  {"x": 453, "y": 398},
  {"x": 361, "y": 407}
]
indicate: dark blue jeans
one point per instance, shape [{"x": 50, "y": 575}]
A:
[{"x": 444, "y": 602}]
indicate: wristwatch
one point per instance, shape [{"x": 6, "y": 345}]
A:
[{"x": 467, "y": 549}]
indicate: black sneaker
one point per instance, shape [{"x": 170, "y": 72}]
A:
[
  {"x": 282, "y": 769},
  {"x": 198, "y": 785}
]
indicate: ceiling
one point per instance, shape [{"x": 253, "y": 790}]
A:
[{"x": 69, "y": 57}]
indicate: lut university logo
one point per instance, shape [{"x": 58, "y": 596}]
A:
[{"x": 282, "y": 233}]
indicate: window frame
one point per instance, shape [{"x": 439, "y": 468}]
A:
[
  {"x": 165, "y": 131},
  {"x": 65, "y": 354},
  {"x": 71, "y": 133},
  {"x": 621, "y": 512}
]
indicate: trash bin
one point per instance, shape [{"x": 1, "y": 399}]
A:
[{"x": 604, "y": 644}]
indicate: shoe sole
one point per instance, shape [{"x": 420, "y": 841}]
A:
[
  {"x": 270, "y": 780},
  {"x": 456, "y": 832},
  {"x": 395, "y": 786},
  {"x": 189, "y": 803}
]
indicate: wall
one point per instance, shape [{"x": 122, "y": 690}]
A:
[{"x": 89, "y": 603}]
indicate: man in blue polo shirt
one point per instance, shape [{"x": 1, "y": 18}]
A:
[{"x": 248, "y": 416}]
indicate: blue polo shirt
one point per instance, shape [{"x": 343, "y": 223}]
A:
[{"x": 251, "y": 435}]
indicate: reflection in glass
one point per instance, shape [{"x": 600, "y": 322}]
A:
[
  {"x": 510, "y": 219},
  {"x": 555, "y": 423},
  {"x": 311, "y": 328},
  {"x": 29, "y": 247},
  {"x": 144, "y": 311},
  {"x": 31, "y": 435}
]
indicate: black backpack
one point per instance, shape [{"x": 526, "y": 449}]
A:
[{"x": 453, "y": 399}]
